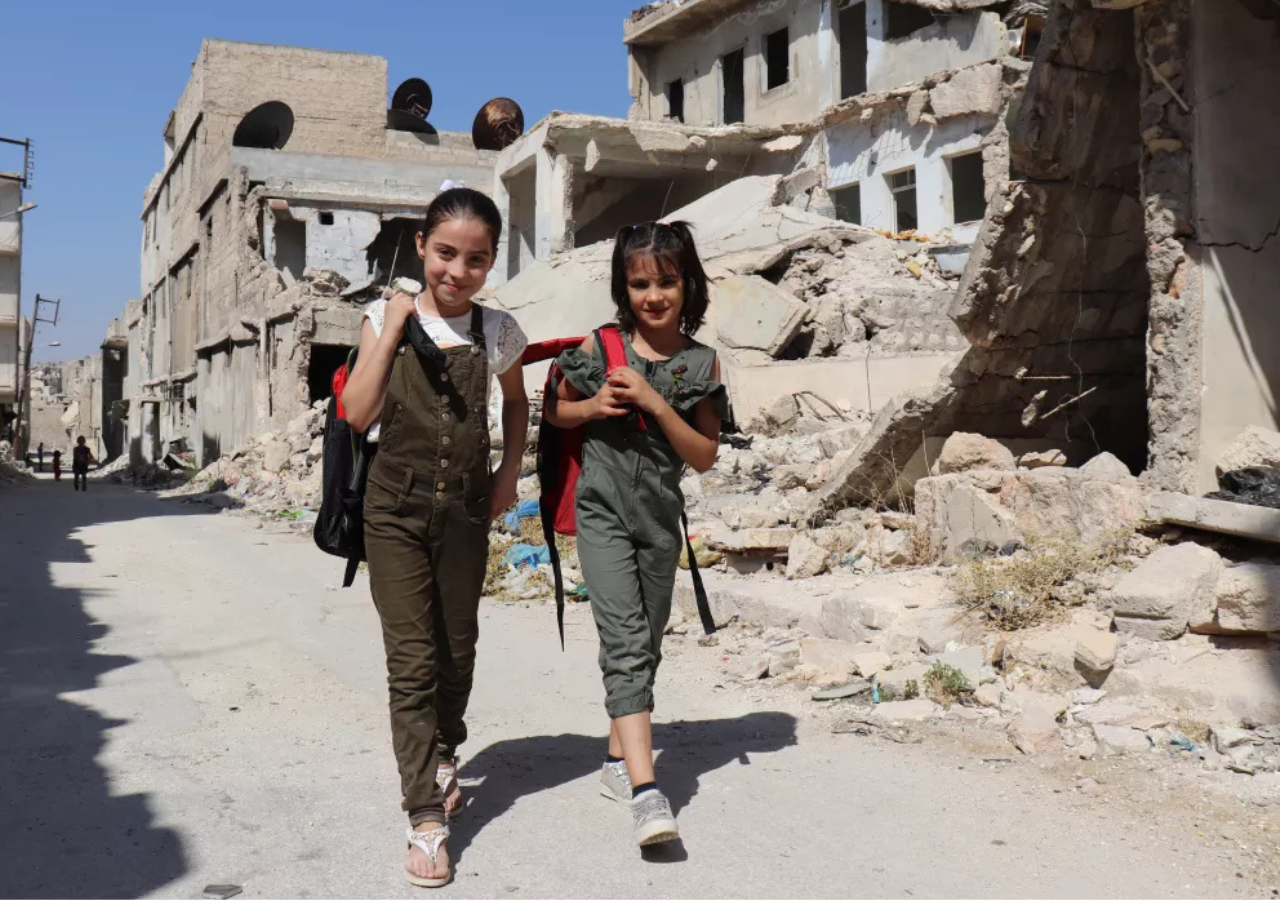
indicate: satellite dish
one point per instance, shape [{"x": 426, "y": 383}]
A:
[
  {"x": 400, "y": 120},
  {"x": 266, "y": 127},
  {"x": 498, "y": 125},
  {"x": 414, "y": 97}
]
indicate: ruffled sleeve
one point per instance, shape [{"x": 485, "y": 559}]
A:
[
  {"x": 688, "y": 394},
  {"x": 582, "y": 370}
]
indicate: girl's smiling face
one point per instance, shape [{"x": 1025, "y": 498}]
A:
[
  {"x": 456, "y": 259},
  {"x": 656, "y": 293}
]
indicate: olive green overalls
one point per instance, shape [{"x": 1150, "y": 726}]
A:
[
  {"x": 628, "y": 510},
  {"x": 426, "y": 515}
]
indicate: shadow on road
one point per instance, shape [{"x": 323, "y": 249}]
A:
[
  {"x": 509, "y": 770},
  {"x": 63, "y": 832}
]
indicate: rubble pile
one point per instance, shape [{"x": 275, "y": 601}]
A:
[
  {"x": 10, "y": 469},
  {"x": 277, "y": 474}
]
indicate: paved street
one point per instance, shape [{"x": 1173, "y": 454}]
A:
[{"x": 187, "y": 698}]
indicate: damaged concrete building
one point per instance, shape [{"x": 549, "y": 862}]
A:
[
  {"x": 291, "y": 186},
  {"x": 835, "y": 160},
  {"x": 1120, "y": 296},
  {"x": 894, "y": 106}
]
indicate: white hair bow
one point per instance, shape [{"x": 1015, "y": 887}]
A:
[{"x": 449, "y": 184}]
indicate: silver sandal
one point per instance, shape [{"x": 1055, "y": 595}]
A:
[
  {"x": 429, "y": 842},
  {"x": 447, "y": 778}
]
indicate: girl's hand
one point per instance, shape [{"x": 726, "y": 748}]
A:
[
  {"x": 502, "y": 494},
  {"x": 607, "y": 403},
  {"x": 399, "y": 308},
  {"x": 630, "y": 387}
]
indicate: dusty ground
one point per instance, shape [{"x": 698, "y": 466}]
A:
[{"x": 187, "y": 698}]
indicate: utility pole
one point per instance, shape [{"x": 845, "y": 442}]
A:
[{"x": 24, "y": 394}]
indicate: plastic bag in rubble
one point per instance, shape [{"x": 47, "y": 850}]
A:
[
  {"x": 704, "y": 556},
  {"x": 522, "y": 555},
  {"x": 1256, "y": 486},
  {"x": 524, "y": 509}
]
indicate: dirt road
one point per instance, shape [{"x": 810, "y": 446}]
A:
[{"x": 187, "y": 698}]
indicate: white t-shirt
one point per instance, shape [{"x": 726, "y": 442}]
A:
[{"x": 504, "y": 339}]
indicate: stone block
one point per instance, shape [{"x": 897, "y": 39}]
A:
[
  {"x": 1158, "y": 599},
  {"x": 838, "y": 657},
  {"x": 988, "y": 695},
  {"x": 276, "y": 456},
  {"x": 1220, "y": 516},
  {"x": 1096, "y": 650},
  {"x": 752, "y": 540},
  {"x": 1252, "y": 447},
  {"x": 1107, "y": 467},
  {"x": 965, "y": 452},
  {"x": 1034, "y": 730},
  {"x": 935, "y": 638},
  {"x": 894, "y": 681},
  {"x": 1248, "y": 598},
  {"x": 789, "y": 477},
  {"x": 894, "y": 711},
  {"x": 805, "y": 558},
  {"x": 1119, "y": 740},
  {"x": 841, "y": 619},
  {"x": 753, "y": 314},
  {"x": 896, "y": 548},
  {"x": 1042, "y": 460},
  {"x": 839, "y": 440},
  {"x": 971, "y": 91},
  {"x": 951, "y": 512},
  {"x": 970, "y": 662},
  {"x": 869, "y": 663}
]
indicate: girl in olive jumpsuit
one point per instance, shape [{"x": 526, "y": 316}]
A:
[
  {"x": 643, "y": 424},
  {"x": 430, "y": 498}
]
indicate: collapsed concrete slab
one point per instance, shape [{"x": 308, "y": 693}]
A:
[{"x": 753, "y": 315}]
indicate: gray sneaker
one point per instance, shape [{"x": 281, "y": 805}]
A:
[
  {"x": 615, "y": 782},
  {"x": 653, "y": 820}
]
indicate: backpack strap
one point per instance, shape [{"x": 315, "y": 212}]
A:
[
  {"x": 699, "y": 590},
  {"x": 349, "y": 576},
  {"x": 549, "y": 535},
  {"x": 612, "y": 348}
]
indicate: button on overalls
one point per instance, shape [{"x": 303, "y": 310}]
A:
[{"x": 426, "y": 517}]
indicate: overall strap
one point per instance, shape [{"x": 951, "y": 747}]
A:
[{"x": 477, "y": 325}]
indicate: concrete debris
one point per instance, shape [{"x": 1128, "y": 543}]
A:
[
  {"x": 12, "y": 471},
  {"x": 1043, "y": 459},
  {"x": 836, "y": 657},
  {"x": 752, "y": 314},
  {"x": 1158, "y": 599},
  {"x": 1034, "y": 730},
  {"x": 1247, "y": 600},
  {"x": 805, "y": 558},
  {"x": 1252, "y": 447},
  {"x": 1119, "y": 740},
  {"x": 1096, "y": 650}
]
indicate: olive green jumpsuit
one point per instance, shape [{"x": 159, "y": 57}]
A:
[
  {"x": 628, "y": 510},
  {"x": 426, "y": 519}
]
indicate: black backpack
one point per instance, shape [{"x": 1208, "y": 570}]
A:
[{"x": 339, "y": 528}]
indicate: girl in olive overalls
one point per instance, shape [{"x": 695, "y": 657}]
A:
[
  {"x": 430, "y": 498},
  {"x": 644, "y": 424}
]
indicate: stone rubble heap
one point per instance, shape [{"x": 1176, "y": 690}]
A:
[{"x": 10, "y": 469}]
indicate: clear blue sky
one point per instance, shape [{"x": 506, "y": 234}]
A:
[{"x": 91, "y": 83}]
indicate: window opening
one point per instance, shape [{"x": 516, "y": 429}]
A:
[
  {"x": 326, "y": 218},
  {"x": 777, "y": 55},
  {"x": 848, "y": 200},
  {"x": 903, "y": 19},
  {"x": 853, "y": 50},
  {"x": 291, "y": 247},
  {"x": 968, "y": 189},
  {"x": 732, "y": 67},
  {"x": 903, "y": 186},
  {"x": 675, "y": 100}
]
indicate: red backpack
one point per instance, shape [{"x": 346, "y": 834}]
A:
[{"x": 560, "y": 464}]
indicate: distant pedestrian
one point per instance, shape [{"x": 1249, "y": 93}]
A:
[
  {"x": 431, "y": 497},
  {"x": 644, "y": 422},
  {"x": 57, "y": 465},
  {"x": 40, "y": 458},
  {"x": 81, "y": 457}
]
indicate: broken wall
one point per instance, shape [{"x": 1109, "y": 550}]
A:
[
  {"x": 1235, "y": 89},
  {"x": 953, "y": 41}
]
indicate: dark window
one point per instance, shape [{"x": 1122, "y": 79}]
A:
[
  {"x": 968, "y": 190},
  {"x": 902, "y": 19},
  {"x": 325, "y": 360},
  {"x": 853, "y": 50},
  {"x": 732, "y": 66},
  {"x": 903, "y": 186},
  {"x": 848, "y": 202},
  {"x": 291, "y": 247},
  {"x": 675, "y": 100},
  {"x": 326, "y": 218},
  {"x": 777, "y": 57}
]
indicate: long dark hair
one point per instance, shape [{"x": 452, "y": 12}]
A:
[
  {"x": 672, "y": 248},
  {"x": 464, "y": 203}
]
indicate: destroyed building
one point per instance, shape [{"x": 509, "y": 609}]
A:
[
  {"x": 12, "y": 325},
  {"x": 894, "y": 106},
  {"x": 1119, "y": 297},
  {"x": 291, "y": 185}
]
